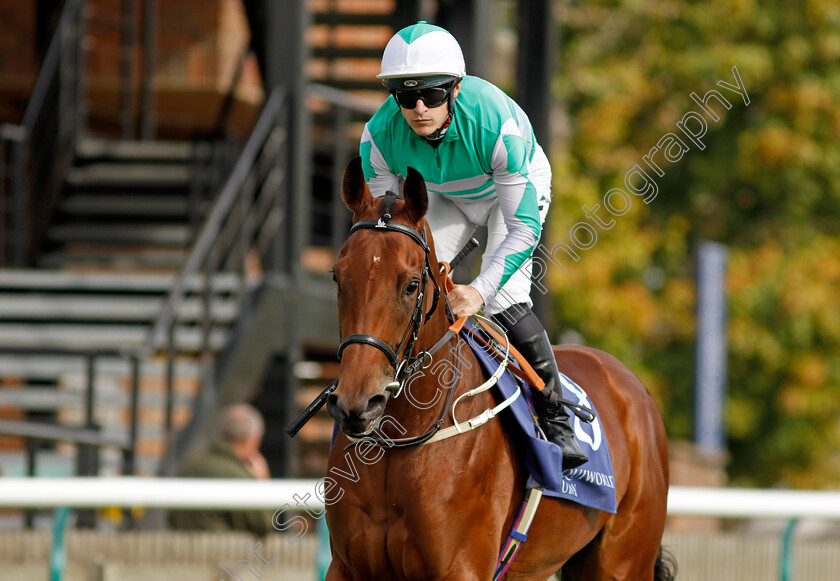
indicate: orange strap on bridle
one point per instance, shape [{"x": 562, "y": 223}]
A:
[
  {"x": 526, "y": 373},
  {"x": 445, "y": 269}
]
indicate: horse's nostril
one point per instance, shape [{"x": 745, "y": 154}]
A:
[
  {"x": 334, "y": 408},
  {"x": 375, "y": 406}
]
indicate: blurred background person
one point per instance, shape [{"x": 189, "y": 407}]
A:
[{"x": 233, "y": 453}]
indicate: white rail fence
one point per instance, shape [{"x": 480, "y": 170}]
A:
[
  {"x": 274, "y": 494},
  {"x": 246, "y": 495},
  {"x": 720, "y": 556}
]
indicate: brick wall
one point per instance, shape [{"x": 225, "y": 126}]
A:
[
  {"x": 199, "y": 43},
  {"x": 17, "y": 57}
]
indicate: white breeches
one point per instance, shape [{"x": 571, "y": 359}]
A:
[{"x": 454, "y": 221}]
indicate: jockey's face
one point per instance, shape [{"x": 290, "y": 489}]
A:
[{"x": 424, "y": 120}]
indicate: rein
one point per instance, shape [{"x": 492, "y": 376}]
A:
[
  {"x": 406, "y": 345},
  {"x": 406, "y": 365},
  {"x": 435, "y": 434}
]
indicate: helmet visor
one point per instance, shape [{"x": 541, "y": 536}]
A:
[{"x": 432, "y": 97}]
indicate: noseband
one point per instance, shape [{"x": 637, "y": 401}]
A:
[{"x": 404, "y": 364}]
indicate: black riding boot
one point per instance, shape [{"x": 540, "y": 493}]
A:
[{"x": 527, "y": 334}]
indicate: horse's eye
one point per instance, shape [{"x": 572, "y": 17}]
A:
[
  {"x": 412, "y": 287},
  {"x": 332, "y": 273}
]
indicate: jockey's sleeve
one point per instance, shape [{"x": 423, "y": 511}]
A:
[
  {"x": 379, "y": 176},
  {"x": 520, "y": 210}
]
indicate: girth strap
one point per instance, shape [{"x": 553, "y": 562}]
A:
[{"x": 519, "y": 533}]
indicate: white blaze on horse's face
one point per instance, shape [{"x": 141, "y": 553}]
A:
[{"x": 372, "y": 302}]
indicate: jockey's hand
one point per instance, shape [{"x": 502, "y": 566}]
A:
[{"x": 465, "y": 300}]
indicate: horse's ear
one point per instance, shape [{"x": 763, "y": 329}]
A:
[
  {"x": 416, "y": 198},
  {"x": 354, "y": 191}
]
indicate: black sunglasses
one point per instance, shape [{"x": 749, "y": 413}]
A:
[{"x": 432, "y": 97}]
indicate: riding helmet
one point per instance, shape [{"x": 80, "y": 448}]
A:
[{"x": 421, "y": 55}]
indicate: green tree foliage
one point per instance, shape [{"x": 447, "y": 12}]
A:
[{"x": 767, "y": 184}]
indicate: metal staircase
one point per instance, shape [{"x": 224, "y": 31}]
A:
[
  {"x": 159, "y": 280},
  {"x": 126, "y": 205}
]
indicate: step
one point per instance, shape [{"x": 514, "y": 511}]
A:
[
  {"x": 173, "y": 151},
  {"x": 374, "y": 53},
  {"x": 172, "y": 234},
  {"x": 44, "y": 367},
  {"x": 76, "y": 337},
  {"x": 39, "y": 398},
  {"x": 50, "y": 464},
  {"x": 117, "y": 204},
  {"x": 35, "y": 279},
  {"x": 50, "y": 399},
  {"x": 374, "y": 87},
  {"x": 317, "y": 371},
  {"x": 153, "y": 175},
  {"x": 352, "y": 19},
  {"x": 69, "y": 307},
  {"x": 138, "y": 259},
  {"x": 63, "y": 464}
]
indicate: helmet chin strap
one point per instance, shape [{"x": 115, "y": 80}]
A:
[{"x": 439, "y": 133}]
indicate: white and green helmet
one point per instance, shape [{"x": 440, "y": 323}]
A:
[{"x": 422, "y": 52}]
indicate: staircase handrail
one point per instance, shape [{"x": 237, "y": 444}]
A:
[
  {"x": 343, "y": 99},
  {"x": 229, "y": 210},
  {"x": 41, "y": 155},
  {"x": 50, "y": 67},
  {"x": 347, "y": 108},
  {"x": 203, "y": 244}
]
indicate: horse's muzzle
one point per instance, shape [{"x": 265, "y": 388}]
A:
[{"x": 361, "y": 418}]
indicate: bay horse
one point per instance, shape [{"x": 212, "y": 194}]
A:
[{"x": 442, "y": 511}]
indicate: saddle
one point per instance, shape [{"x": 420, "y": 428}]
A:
[{"x": 593, "y": 483}]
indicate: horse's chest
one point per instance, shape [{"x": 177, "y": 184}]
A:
[{"x": 419, "y": 513}]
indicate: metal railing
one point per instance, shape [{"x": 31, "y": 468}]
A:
[
  {"x": 248, "y": 222},
  {"x": 214, "y": 153},
  {"x": 343, "y": 111},
  {"x": 88, "y": 437},
  {"x": 242, "y": 229},
  {"x": 35, "y": 154}
]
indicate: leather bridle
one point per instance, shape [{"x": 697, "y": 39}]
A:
[{"x": 400, "y": 358}]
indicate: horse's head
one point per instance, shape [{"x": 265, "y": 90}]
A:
[{"x": 385, "y": 290}]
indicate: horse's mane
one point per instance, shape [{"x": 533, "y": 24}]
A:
[{"x": 386, "y": 209}]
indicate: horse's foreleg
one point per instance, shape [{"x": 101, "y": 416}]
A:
[
  {"x": 467, "y": 576},
  {"x": 626, "y": 549},
  {"x": 337, "y": 572}
]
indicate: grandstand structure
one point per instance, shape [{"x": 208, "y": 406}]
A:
[{"x": 169, "y": 210}]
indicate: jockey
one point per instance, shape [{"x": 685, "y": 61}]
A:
[{"x": 476, "y": 150}]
